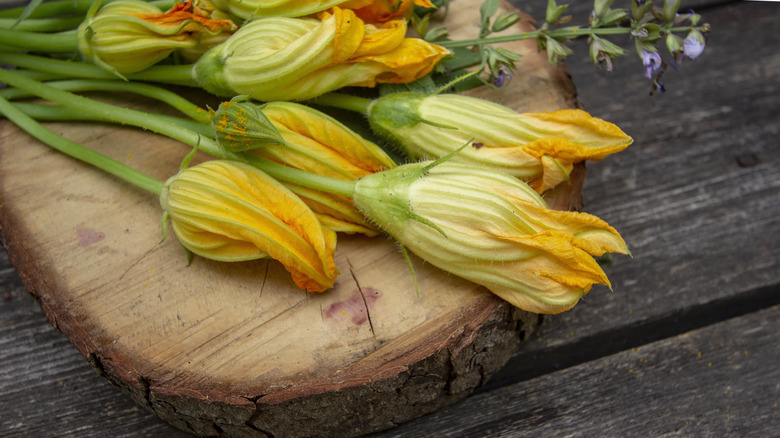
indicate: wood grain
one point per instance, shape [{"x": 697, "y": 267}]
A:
[
  {"x": 236, "y": 348},
  {"x": 722, "y": 378}
]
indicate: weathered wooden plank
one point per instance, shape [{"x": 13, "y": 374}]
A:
[
  {"x": 695, "y": 197},
  {"x": 46, "y": 386},
  {"x": 717, "y": 381}
]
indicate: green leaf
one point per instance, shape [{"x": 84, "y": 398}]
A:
[{"x": 29, "y": 9}]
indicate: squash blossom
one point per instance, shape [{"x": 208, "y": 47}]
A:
[
  {"x": 492, "y": 229},
  {"x": 127, "y": 36},
  {"x": 303, "y": 138},
  {"x": 537, "y": 147},
  {"x": 279, "y": 58},
  {"x": 370, "y": 11},
  {"x": 229, "y": 211}
]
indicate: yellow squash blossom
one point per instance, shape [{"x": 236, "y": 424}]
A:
[
  {"x": 303, "y": 138},
  {"x": 229, "y": 211},
  {"x": 280, "y": 58},
  {"x": 536, "y": 147},
  {"x": 490, "y": 228},
  {"x": 127, "y": 36}
]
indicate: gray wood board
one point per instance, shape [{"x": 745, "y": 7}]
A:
[{"x": 721, "y": 380}]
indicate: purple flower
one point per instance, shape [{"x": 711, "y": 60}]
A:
[
  {"x": 502, "y": 77},
  {"x": 692, "y": 47},
  {"x": 652, "y": 62}
]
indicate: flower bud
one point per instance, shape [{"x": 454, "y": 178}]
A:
[
  {"x": 241, "y": 126},
  {"x": 492, "y": 229},
  {"x": 303, "y": 138},
  {"x": 280, "y": 58},
  {"x": 317, "y": 143},
  {"x": 127, "y": 36},
  {"x": 538, "y": 147},
  {"x": 229, "y": 211}
]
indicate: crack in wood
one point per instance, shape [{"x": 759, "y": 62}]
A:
[
  {"x": 363, "y": 297},
  {"x": 265, "y": 277},
  {"x": 137, "y": 261}
]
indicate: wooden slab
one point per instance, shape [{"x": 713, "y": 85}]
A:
[{"x": 236, "y": 349}]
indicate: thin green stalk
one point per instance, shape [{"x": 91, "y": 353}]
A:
[
  {"x": 53, "y": 113},
  {"x": 104, "y": 111},
  {"x": 78, "y": 151},
  {"x": 151, "y": 122},
  {"x": 167, "y": 74},
  {"x": 39, "y": 76},
  {"x": 573, "y": 32},
  {"x": 61, "y": 42},
  {"x": 68, "y": 7},
  {"x": 55, "y": 24},
  {"x": 174, "y": 100},
  {"x": 343, "y": 101},
  {"x": 303, "y": 178}
]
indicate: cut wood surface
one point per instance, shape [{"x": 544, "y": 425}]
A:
[
  {"x": 697, "y": 200},
  {"x": 237, "y": 348}
]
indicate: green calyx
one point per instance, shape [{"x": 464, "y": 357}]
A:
[
  {"x": 209, "y": 73},
  {"x": 384, "y": 197},
  {"x": 392, "y": 112}
]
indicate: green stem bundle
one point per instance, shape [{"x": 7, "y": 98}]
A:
[
  {"x": 106, "y": 112},
  {"x": 77, "y": 151},
  {"x": 163, "y": 95},
  {"x": 166, "y": 74}
]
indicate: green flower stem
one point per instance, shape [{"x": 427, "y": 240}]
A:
[
  {"x": 303, "y": 178},
  {"x": 78, "y": 151},
  {"x": 40, "y": 42},
  {"x": 68, "y": 7},
  {"x": 572, "y": 32},
  {"x": 104, "y": 111},
  {"x": 174, "y": 100},
  {"x": 50, "y": 9},
  {"x": 39, "y": 76},
  {"x": 54, "y": 113},
  {"x": 168, "y": 74},
  {"x": 56, "y": 24},
  {"x": 152, "y": 122},
  {"x": 343, "y": 101}
]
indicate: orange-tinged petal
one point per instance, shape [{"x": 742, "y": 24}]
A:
[
  {"x": 188, "y": 17},
  {"x": 378, "y": 40},
  {"x": 554, "y": 172},
  {"x": 379, "y": 11},
  {"x": 410, "y": 61},
  {"x": 591, "y": 233}
]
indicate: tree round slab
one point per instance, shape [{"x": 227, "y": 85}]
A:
[{"x": 236, "y": 349}]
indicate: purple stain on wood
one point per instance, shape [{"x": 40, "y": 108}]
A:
[
  {"x": 354, "y": 307},
  {"x": 88, "y": 236}
]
